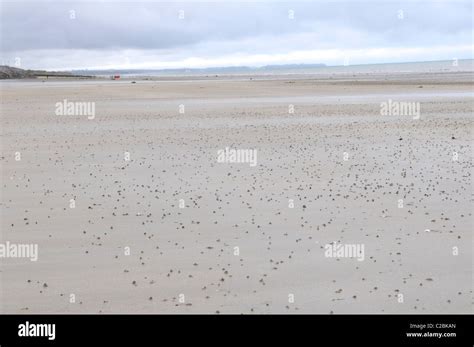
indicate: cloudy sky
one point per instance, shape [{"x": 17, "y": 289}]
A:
[{"x": 157, "y": 34}]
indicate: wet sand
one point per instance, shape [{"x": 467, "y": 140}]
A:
[{"x": 344, "y": 165}]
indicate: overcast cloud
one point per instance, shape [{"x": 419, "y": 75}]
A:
[{"x": 114, "y": 34}]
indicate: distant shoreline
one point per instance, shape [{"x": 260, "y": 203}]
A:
[
  {"x": 441, "y": 65},
  {"x": 288, "y": 69},
  {"x": 245, "y": 73},
  {"x": 348, "y": 79}
]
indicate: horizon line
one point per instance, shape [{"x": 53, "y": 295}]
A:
[{"x": 322, "y": 65}]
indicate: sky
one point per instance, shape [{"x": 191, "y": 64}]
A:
[{"x": 116, "y": 34}]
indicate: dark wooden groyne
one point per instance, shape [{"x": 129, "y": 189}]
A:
[{"x": 48, "y": 74}]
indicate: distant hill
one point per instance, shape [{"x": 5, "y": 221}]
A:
[{"x": 9, "y": 72}]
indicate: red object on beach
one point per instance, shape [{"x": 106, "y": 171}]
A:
[{"x": 116, "y": 77}]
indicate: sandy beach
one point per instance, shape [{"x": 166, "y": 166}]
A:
[{"x": 132, "y": 212}]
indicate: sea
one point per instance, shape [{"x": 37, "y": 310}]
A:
[{"x": 454, "y": 65}]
